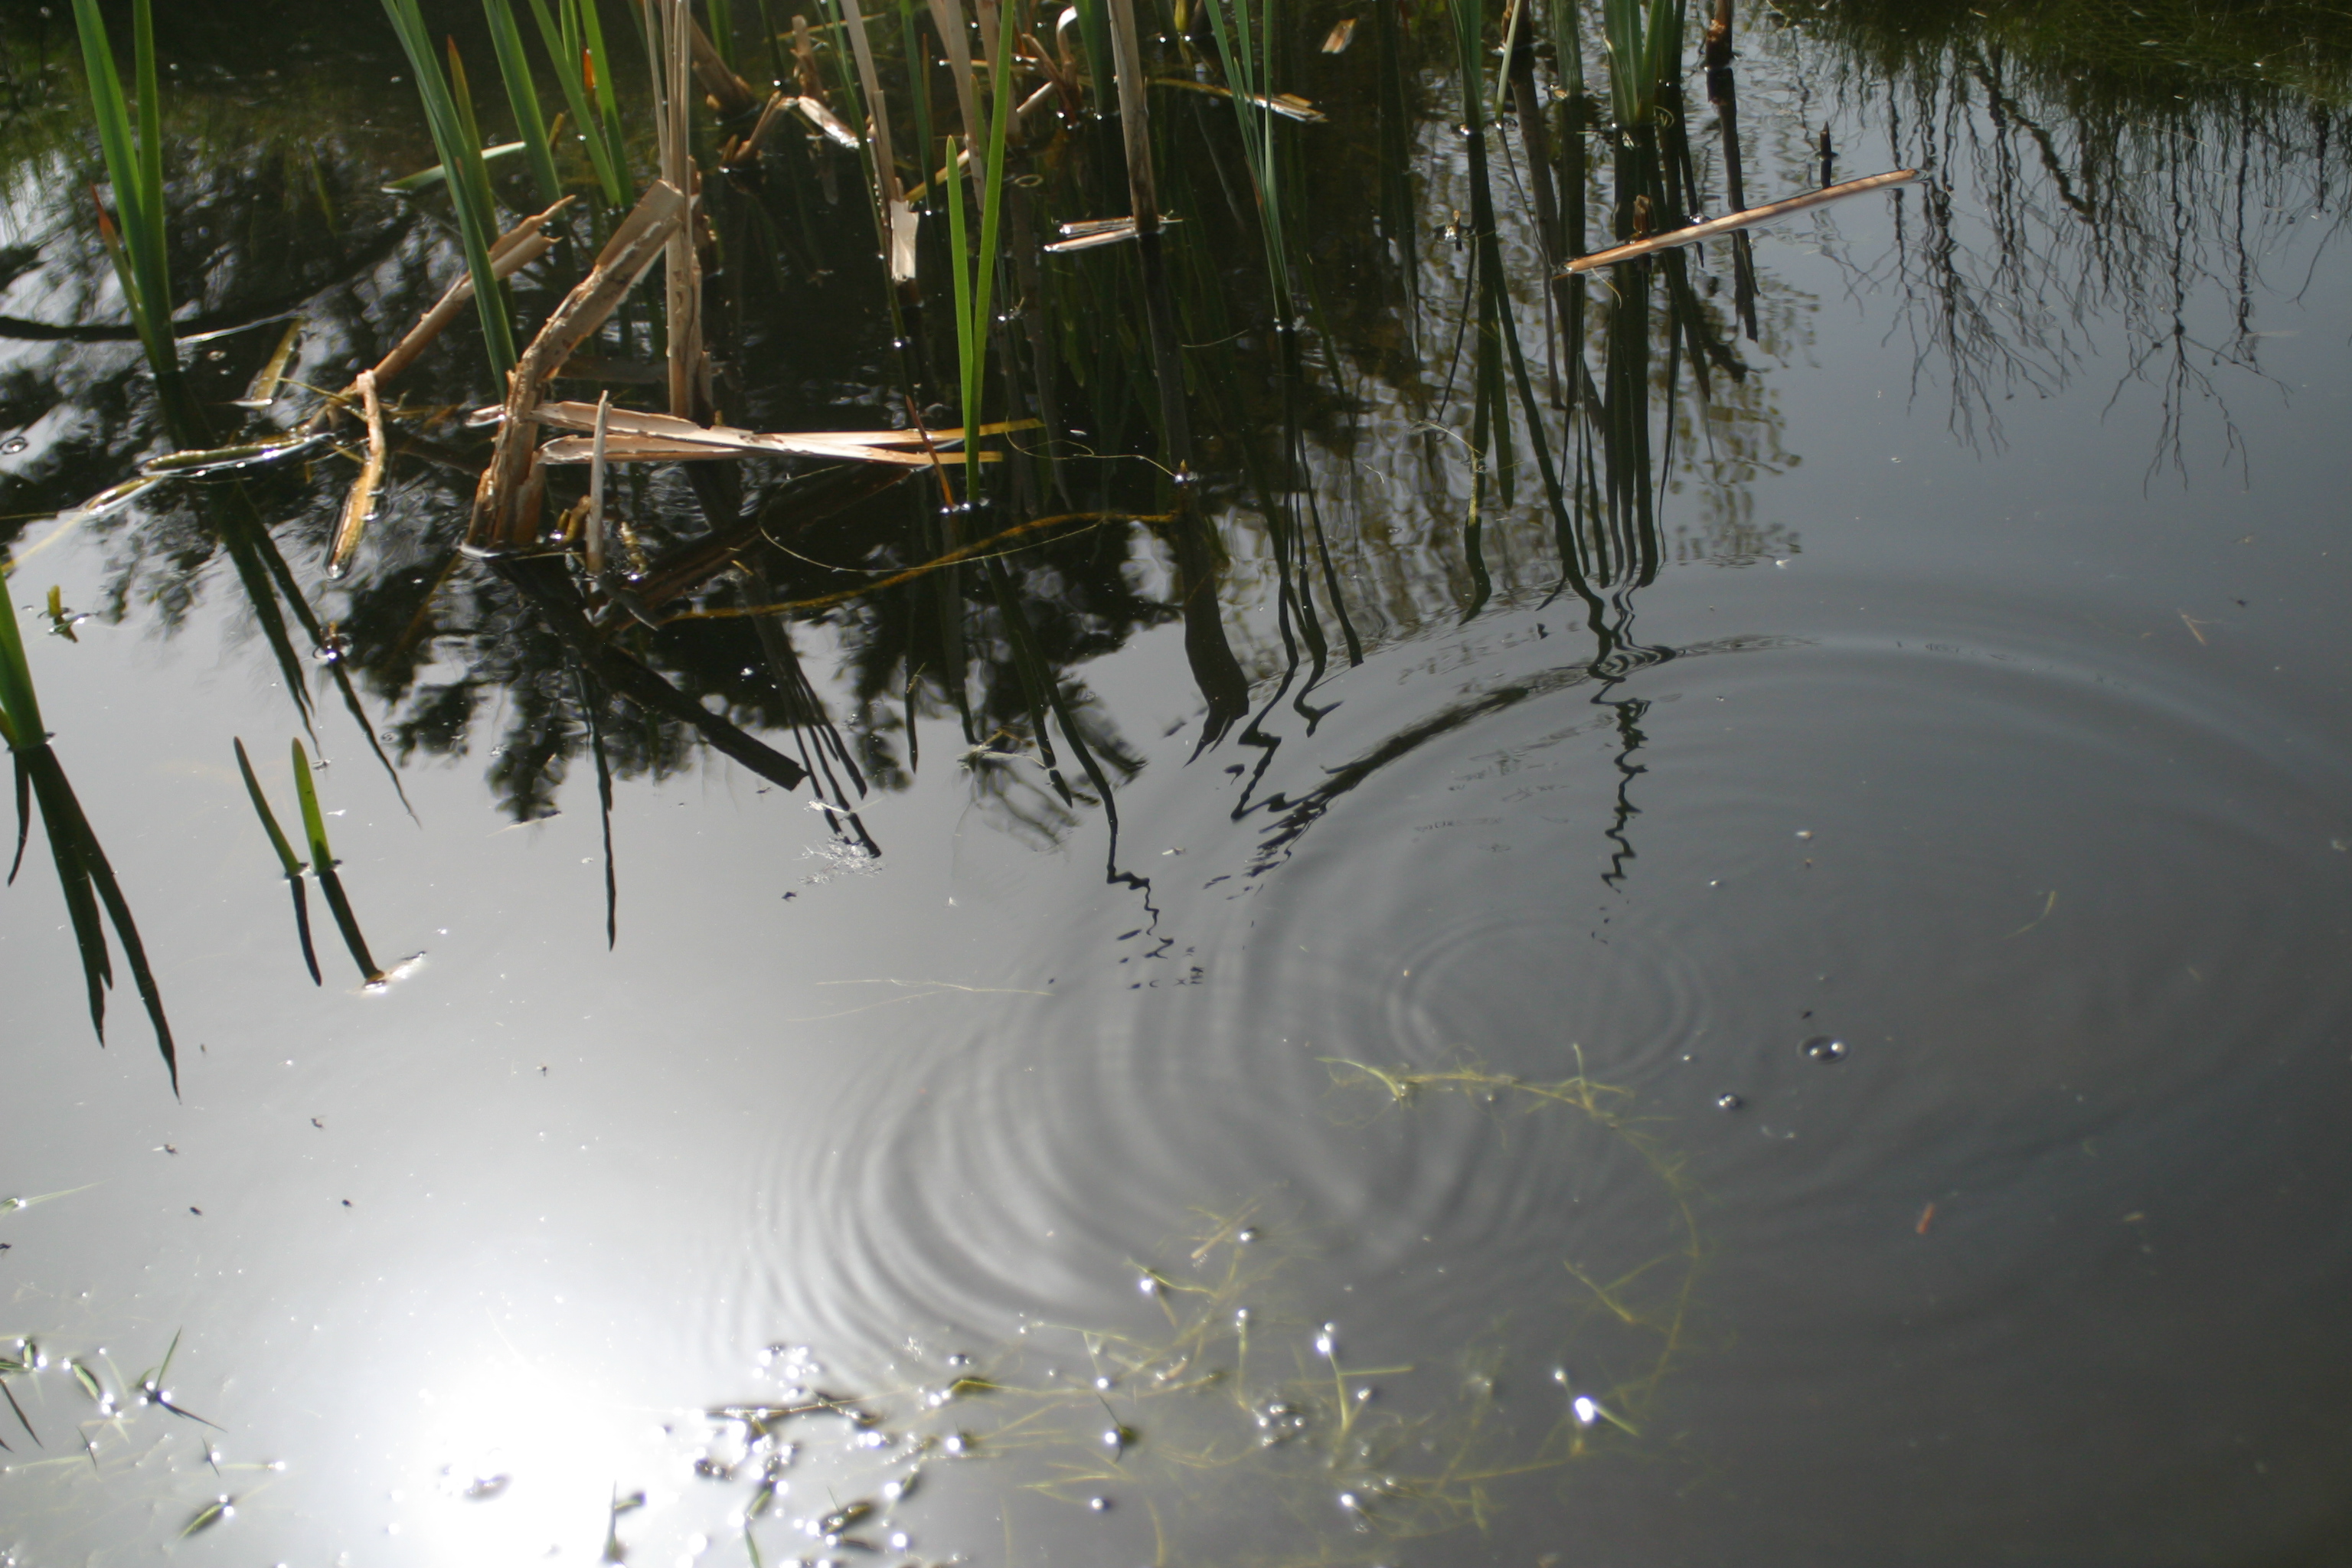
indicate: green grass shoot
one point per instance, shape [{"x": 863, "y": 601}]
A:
[
  {"x": 514, "y": 66},
  {"x": 322, "y": 866},
  {"x": 975, "y": 277},
  {"x": 286, "y": 858},
  {"x": 135, "y": 167}
]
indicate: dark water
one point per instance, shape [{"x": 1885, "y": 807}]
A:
[{"x": 1831, "y": 1049}]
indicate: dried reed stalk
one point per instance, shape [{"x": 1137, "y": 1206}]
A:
[
  {"x": 898, "y": 222},
  {"x": 635, "y": 246},
  {"x": 1738, "y": 220},
  {"x": 596, "y": 490},
  {"x": 628, "y": 437},
  {"x": 359, "y": 505}
]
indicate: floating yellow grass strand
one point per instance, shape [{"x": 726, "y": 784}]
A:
[
  {"x": 1738, "y": 220},
  {"x": 630, "y": 437},
  {"x": 359, "y": 505},
  {"x": 977, "y": 549}
]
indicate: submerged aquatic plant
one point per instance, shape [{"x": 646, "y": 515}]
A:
[
  {"x": 84, "y": 874},
  {"x": 134, "y": 165}
]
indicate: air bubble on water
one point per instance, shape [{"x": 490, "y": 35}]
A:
[
  {"x": 1147, "y": 1285},
  {"x": 1804, "y": 833},
  {"x": 1247, "y": 1234},
  {"x": 1728, "y": 1102},
  {"x": 1102, "y": 1384},
  {"x": 1823, "y": 1049},
  {"x": 1327, "y": 1341},
  {"x": 1560, "y": 1375},
  {"x": 1587, "y": 1408},
  {"x": 1099, "y": 1504},
  {"x": 1241, "y": 1317},
  {"x": 900, "y": 1541}
]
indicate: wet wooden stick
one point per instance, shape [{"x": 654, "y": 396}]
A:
[{"x": 1738, "y": 220}]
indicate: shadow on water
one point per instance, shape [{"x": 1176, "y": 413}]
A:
[{"x": 951, "y": 389}]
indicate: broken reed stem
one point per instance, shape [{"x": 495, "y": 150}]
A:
[
  {"x": 897, "y": 221},
  {"x": 669, "y": 30},
  {"x": 359, "y": 505},
  {"x": 1134, "y": 115},
  {"x": 1730, "y": 222},
  {"x": 635, "y": 246},
  {"x": 947, "y": 15},
  {"x": 596, "y": 490}
]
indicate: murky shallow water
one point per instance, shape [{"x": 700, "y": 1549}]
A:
[{"x": 1854, "y": 1076}]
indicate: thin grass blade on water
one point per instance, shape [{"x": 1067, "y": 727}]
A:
[
  {"x": 263, "y": 391},
  {"x": 322, "y": 864},
  {"x": 293, "y": 865},
  {"x": 425, "y": 179}
]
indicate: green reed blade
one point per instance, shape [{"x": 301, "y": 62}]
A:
[
  {"x": 322, "y": 863},
  {"x": 722, "y": 31},
  {"x": 18, "y": 706},
  {"x": 608, "y": 106},
  {"x": 1661, "y": 47},
  {"x": 469, "y": 183},
  {"x": 348, "y": 923},
  {"x": 303, "y": 928},
  {"x": 585, "y": 120},
  {"x": 314, "y": 822},
  {"x": 286, "y": 856},
  {"x": 514, "y": 66},
  {"x": 81, "y": 902},
  {"x": 992, "y": 218},
  {"x": 135, "y": 167},
  {"x": 82, "y": 868},
  {"x": 8, "y": 1393},
  {"x": 23, "y": 800}
]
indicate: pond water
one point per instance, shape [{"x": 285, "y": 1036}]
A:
[{"x": 1812, "y": 1027}]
